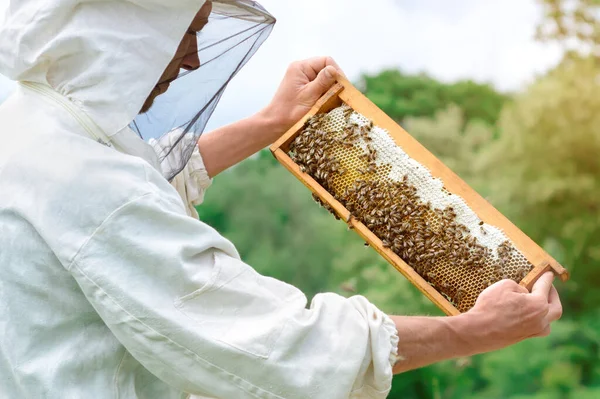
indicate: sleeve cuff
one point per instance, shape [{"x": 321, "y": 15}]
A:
[
  {"x": 375, "y": 377},
  {"x": 192, "y": 183},
  {"x": 198, "y": 180},
  {"x": 193, "y": 180},
  {"x": 390, "y": 327}
]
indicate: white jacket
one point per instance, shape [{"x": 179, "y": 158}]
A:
[{"x": 108, "y": 289}]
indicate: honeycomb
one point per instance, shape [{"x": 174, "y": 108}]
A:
[{"x": 433, "y": 230}]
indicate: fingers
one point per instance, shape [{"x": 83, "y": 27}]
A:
[
  {"x": 313, "y": 66},
  {"x": 509, "y": 285},
  {"x": 547, "y": 295},
  {"x": 543, "y": 286},
  {"x": 556, "y": 310},
  {"x": 545, "y": 332},
  {"x": 331, "y": 62},
  {"x": 319, "y": 63},
  {"x": 325, "y": 79},
  {"x": 498, "y": 290}
]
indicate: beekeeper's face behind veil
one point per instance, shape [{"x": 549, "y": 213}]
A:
[
  {"x": 135, "y": 68},
  {"x": 186, "y": 57}
]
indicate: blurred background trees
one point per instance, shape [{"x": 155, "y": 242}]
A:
[
  {"x": 573, "y": 23},
  {"x": 534, "y": 154}
]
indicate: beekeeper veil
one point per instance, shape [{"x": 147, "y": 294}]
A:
[
  {"x": 103, "y": 59},
  {"x": 234, "y": 32}
]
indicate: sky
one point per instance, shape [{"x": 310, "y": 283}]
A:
[{"x": 487, "y": 41}]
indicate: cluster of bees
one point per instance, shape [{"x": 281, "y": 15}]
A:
[
  {"x": 415, "y": 231},
  {"x": 430, "y": 240}
]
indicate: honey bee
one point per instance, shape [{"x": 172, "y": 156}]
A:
[
  {"x": 348, "y": 112},
  {"x": 421, "y": 235}
]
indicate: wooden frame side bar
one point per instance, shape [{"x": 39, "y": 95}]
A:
[{"x": 326, "y": 103}]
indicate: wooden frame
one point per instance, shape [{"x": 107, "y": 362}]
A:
[{"x": 344, "y": 92}]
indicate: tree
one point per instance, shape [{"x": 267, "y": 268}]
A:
[
  {"x": 402, "y": 96},
  {"x": 543, "y": 172},
  {"x": 574, "y": 23},
  {"x": 455, "y": 142}
]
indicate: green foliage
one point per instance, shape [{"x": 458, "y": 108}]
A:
[
  {"x": 552, "y": 365},
  {"x": 274, "y": 225},
  {"x": 538, "y": 163},
  {"x": 573, "y": 23},
  {"x": 454, "y": 141},
  {"x": 548, "y": 156},
  {"x": 401, "y": 96}
]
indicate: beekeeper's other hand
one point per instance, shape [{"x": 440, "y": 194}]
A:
[
  {"x": 508, "y": 313},
  {"x": 303, "y": 84},
  {"x": 504, "y": 314}
]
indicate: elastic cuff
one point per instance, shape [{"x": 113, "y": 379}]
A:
[
  {"x": 390, "y": 327},
  {"x": 198, "y": 180}
]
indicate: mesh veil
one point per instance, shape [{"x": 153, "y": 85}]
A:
[{"x": 234, "y": 32}]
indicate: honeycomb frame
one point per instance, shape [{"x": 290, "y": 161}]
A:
[{"x": 344, "y": 93}]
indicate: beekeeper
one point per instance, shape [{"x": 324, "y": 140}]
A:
[{"x": 109, "y": 288}]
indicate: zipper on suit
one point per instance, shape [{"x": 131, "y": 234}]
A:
[{"x": 81, "y": 117}]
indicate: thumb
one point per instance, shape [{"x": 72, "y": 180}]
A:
[{"x": 323, "y": 82}]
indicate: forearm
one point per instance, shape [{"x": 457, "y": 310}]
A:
[
  {"x": 427, "y": 340},
  {"x": 304, "y": 83},
  {"x": 231, "y": 144}
]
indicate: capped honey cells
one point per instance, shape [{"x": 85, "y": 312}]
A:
[{"x": 432, "y": 230}]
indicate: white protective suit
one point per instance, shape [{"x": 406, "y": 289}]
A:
[{"x": 108, "y": 289}]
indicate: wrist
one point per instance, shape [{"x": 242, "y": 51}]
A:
[
  {"x": 467, "y": 333},
  {"x": 475, "y": 329},
  {"x": 273, "y": 124},
  {"x": 427, "y": 340}
]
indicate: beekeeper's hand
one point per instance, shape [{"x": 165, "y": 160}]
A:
[
  {"x": 303, "y": 84},
  {"x": 504, "y": 314},
  {"x": 508, "y": 313}
]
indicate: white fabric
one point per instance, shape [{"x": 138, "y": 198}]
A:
[
  {"x": 107, "y": 288},
  {"x": 108, "y": 73}
]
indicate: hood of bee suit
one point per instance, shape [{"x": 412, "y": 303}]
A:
[{"x": 106, "y": 57}]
